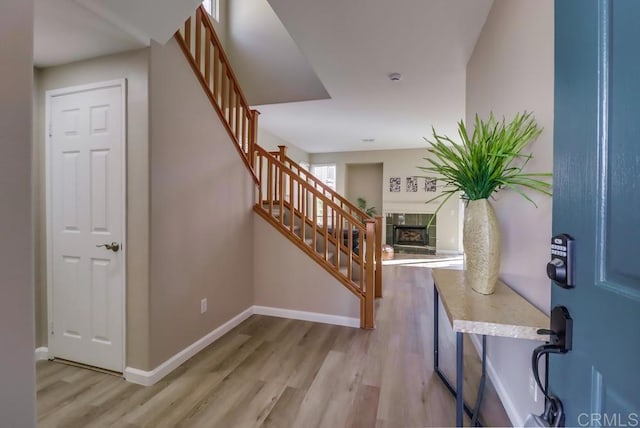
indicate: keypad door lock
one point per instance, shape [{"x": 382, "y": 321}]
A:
[{"x": 561, "y": 267}]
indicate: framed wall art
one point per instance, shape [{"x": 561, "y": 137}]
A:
[
  {"x": 395, "y": 184},
  {"x": 430, "y": 184},
  {"x": 412, "y": 184}
]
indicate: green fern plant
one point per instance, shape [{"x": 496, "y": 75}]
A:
[{"x": 490, "y": 159}]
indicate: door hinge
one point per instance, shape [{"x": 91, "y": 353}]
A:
[{"x": 51, "y": 327}]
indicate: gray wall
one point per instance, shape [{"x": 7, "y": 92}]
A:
[
  {"x": 270, "y": 142},
  {"x": 365, "y": 181},
  {"x": 134, "y": 67},
  {"x": 222, "y": 25},
  {"x": 400, "y": 163},
  {"x": 17, "y": 384},
  {"x": 201, "y": 211},
  {"x": 511, "y": 70},
  {"x": 285, "y": 277}
]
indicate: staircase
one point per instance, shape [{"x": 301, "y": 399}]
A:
[{"x": 332, "y": 231}]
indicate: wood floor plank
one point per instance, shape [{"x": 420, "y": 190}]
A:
[
  {"x": 345, "y": 390},
  {"x": 315, "y": 346},
  {"x": 176, "y": 412},
  {"x": 211, "y": 411},
  {"x": 62, "y": 392},
  {"x": 254, "y": 409},
  {"x": 284, "y": 413},
  {"x": 365, "y": 407},
  {"x": 275, "y": 372},
  {"x": 226, "y": 347},
  {"x": 162, "y": 401},
  {"x": 283, "y": 362},
  {"x": 317, "y": 399},
  {"x": 63, "y": 413},
  {"x": 100, "y": 405}
]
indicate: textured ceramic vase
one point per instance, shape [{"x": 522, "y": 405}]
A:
[{"x": 481, "y": 238}]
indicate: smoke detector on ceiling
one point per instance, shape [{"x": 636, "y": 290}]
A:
[{"x": 395, "y": 77}]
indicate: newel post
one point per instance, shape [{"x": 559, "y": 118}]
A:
[
  {"x": 378, "y": 256},
  {"x": 369, "y": 286},
  {"x": 283, "y": 153}
]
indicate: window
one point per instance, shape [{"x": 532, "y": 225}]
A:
[
  {"x": 326, "y": 174},
  {"x": 212, "y": 7}
]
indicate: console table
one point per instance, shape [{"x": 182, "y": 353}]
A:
[{"x": 504, "y": 313}]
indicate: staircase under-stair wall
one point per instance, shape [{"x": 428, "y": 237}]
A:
[
  {"x": 328, "y": 229},
  {"x": 289, "y": 283}
]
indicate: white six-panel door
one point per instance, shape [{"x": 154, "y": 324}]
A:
[{"x": 85, "y": 209}]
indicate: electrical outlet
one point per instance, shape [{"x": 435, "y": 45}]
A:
[
  {"x": 533, "y": 388},
  {"x": 203, "y": 305}
]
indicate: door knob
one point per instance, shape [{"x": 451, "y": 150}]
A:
[{"x": 114, "y": 246}]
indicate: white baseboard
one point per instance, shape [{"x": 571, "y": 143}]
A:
[
  {"x": 148, "y": 378},
  {"x": 307, "y": 316},
  {"x": 516, "y": 419},
  {"x": 42, "y": 353}
]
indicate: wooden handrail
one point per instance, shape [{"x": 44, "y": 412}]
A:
[
  {"x": 206, "y": 20},
  {"x": 220, "y": 83},
  {"x": 262, "y": 152},
  {"x": 335, "y": 195}
]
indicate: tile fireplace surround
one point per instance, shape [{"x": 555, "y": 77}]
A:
[{"x": 402, "y": 238}]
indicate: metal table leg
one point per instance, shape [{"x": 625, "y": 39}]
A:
[
  {"x": 459, "y": 379},
  {"x": 483, "y": 379},
  {"x": 461, "y": 406}
]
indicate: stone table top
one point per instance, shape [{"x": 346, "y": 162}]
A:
[{"x": 504, "y": 313}]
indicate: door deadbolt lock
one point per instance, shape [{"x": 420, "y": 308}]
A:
[{"x": 114, "y": 246}]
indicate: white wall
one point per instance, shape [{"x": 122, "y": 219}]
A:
[
  {"x": 270, "y": 142},
  {"x": 17, "y": 384},
  {"x": 400, "y": 163},
  {"x": 511, "y": 70}
]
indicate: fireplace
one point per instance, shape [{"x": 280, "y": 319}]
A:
[
  {"x": 408, "y": 232},
  {"x": 410, "y": 235}
]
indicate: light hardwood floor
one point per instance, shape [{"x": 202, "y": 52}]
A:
[{"x": 276, "y": 372}]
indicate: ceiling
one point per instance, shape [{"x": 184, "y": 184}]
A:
[
  {"x": 352, "y": 46},
  {"x": 72, "y": 30},
  {"x": 331, "y": 58},
  {"x": 265, "y": 58},
  {"x": 65, "y": 31}
]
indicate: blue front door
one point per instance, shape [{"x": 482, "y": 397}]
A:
[{"x": 597, "y": 201}]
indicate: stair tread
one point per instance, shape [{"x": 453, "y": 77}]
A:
[
  {"x": 329, "y": 254},
  {"x": 288, "y": 227}
]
